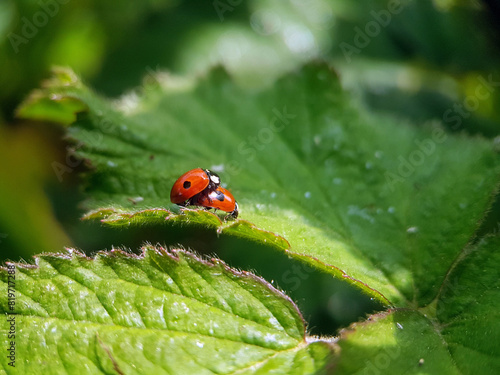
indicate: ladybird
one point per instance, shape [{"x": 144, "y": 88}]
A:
[
  {"x": 191, "y": 183},
  {"x": 220, "y": 199}
]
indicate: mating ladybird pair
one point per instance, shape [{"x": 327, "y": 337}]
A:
[{"x": 201, "y": 187}]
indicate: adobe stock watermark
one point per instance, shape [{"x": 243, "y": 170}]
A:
[
  {"x": 379, "y": 364},
  {"x": 11, "y": 315},
  {"x": 151, "y": 81},
  {"x": 94, "y": 140},
  {"x": 408, "y": 165},
  {"x": 264, "y": 136},
  {"x": 252, "y": 145},
  {"x": 293, "y": 278},
  {"x": 106, "y": 126},
  {"x": 454, "y": 116},
  {"x": 496, "y": 230},
  {"x": 30, "y": 26},
  {"x": 460, "y": 111},
  {"x": 2, "y": 236},
  {"x": 223, "y": 6},
  {"x": 380, "y": 20}
]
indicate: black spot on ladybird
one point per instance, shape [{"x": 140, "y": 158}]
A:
[
  {"x": 220, "y": 196},
  {"x": 186, "y": 184}
]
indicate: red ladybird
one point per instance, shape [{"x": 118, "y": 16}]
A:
[
  {"x": 191, "y": 183},
  {"x": 220, "y": 199}
]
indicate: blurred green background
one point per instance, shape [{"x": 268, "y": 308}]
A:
[{"x": 416, "y": 60}]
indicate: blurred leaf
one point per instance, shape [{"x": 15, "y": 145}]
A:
[
  {"x": 421, "y": 60},
  {"x": 419, "y": 31},
  {"x": 162, "y": 313},
  {"x": 56, "y": 108},
  {"x": 35, "y": 35},
  {"x": 27, "y": 223},
  {"x": 385, "y": 206},
  {"x": 274, "y": 37}
]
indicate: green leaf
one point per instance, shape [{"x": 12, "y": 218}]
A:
[
  {"x": 457, "y": 334},
  {"x": 162, "y": 312},
  {"x": 383, "y": 205},
  {"x": 396, "y": 342},
  {"x": 57, "y": 108},
  {"x": 26, "y": 218},
  {"x": 468, "y": 309}
]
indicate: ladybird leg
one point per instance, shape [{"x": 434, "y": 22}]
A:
[
  {"x": 184, "y": 204},
  {"x": 230, "y": 216},
  {"x": 193, "y": 201},
  {"x": 234, "y": 214}
]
